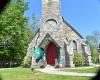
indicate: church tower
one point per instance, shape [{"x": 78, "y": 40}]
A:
[
  {"x": 50, "y": 8},
  {"x": 51, "y": 15},
  {"x": 59, "y": 40}
]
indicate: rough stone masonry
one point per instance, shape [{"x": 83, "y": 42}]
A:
[{"x": 58, "y": 38}]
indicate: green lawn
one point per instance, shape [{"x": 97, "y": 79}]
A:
[
  {"x": 26, "y": 74},
  {"x": 82, "y": 70}
]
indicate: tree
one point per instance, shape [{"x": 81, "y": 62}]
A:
[
  {"x": 3, "y": 3},
  {"x": 94, "y": 40},
  {"x": 14, "y": 31},
  {"x": 34, "y": 29},
  {"x": 35, "y": 23}
]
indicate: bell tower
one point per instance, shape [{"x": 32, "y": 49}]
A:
[
  {"x": 51, "y": 16},
  {"x": 50, "y": 8}
]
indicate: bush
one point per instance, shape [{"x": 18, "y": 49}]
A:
[
  {"x": 78, "y": 59},
  {"x": 27, "y": 61}
]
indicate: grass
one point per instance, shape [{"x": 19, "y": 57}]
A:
[
  {"x": 82, "y": 70},
  {"x": 26, "y": 74}
]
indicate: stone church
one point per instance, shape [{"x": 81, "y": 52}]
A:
[{"x": 58, "y": 38}]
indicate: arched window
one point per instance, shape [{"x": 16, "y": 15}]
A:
[{"x": 74, "y": 47}]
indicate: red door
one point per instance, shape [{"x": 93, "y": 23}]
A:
[{"x": 51, "y": 53}]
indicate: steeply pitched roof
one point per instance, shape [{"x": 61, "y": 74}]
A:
[{"x": 72, "y": 28}]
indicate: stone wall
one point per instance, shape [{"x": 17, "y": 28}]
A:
[{"x": 63, "y": 38}]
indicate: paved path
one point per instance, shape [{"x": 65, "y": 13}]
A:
[{"x": 59, "y": 72}]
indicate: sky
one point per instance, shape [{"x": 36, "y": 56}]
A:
[{"x": 83, "y": 15}]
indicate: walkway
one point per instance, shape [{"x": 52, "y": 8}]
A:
[{"x": 52, "y": 70}]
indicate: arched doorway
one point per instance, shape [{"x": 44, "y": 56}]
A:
[{"x": 51, "y": 53}]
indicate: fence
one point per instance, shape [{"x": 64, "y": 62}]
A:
[{"x": 9, "y": 63}]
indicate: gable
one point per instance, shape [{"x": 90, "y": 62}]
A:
[{"x": 47, "y": 39}]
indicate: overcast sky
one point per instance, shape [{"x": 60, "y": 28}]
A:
[{"x": 83, "y": 15}]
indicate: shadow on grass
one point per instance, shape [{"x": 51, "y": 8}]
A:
[
  {"x": 97, "y": 77},
  {"x": 0, "y": 77}
]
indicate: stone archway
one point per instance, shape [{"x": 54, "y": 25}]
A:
[{"x": 51, "y": 53}]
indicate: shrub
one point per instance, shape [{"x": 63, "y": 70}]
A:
[
  {"x": 27, "y": 61},
  {"x": 78, "y": 59}
]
